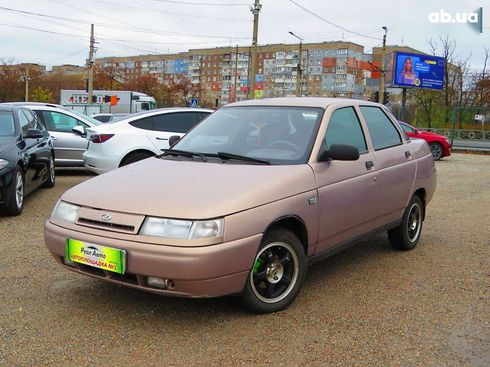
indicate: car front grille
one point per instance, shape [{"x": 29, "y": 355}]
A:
[{"x": 113, "y": 226}]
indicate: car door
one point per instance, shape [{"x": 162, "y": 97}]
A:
[
  {"x": 394, "y": 159},
  {"x": 348, "y": 191},
  {"x": 174, "y": 123},
  {"x": 31, "y": 150},
  {"x": 69, "y": 146}
]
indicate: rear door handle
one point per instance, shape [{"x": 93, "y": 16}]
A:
[
  {"x": 369, "y": 164},
  {"x": 162, "y": 138},
  {"x": 408, "y": 155}
]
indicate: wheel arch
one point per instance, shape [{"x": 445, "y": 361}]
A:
[
  {"x": 295, "y": 224},
  {"x": 139, "y": 150},
  {"x": 421, "y": 193}
]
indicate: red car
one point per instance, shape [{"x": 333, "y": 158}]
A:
[{"x": 440, "y": 146}]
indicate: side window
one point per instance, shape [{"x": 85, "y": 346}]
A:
[
  {"x": 57, "y": 121},
  {"x": 383, "y": 133},
  {"x": 144, "y": 123},
  {"x": 406, "y": 128},
  {"x": 26, "y": 120},
  {"x": 344, "y": 128},
  {"x": 180, "y": 122}
]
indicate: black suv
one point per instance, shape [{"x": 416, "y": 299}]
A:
[{"x": 26, "y": 157}]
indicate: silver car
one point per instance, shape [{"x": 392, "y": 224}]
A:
[{"x": 68, "y": 131}]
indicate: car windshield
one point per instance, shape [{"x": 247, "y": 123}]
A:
[
  {"x": 7, "y": 127},
  {"x": 90, "y": 119},
  {"x": 279, "y": 135}
]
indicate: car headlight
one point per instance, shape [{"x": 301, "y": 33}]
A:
[
  {"x": 182, "y": 229},
  {"x": 3, "y": 163},
  {"x": 65, "y": 211}
]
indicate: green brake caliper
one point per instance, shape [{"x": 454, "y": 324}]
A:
[{"x": 258, "y": 263}]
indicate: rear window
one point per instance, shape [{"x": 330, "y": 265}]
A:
[
  {"x": 383, "y": 132},
  {"x": 7, "y": 126}
]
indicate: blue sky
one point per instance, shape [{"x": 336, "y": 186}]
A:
[{"x": 130, "y": 27}]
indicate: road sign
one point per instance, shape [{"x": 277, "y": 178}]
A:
[
  {"x": 194, "y": 102},
  {"x": 478, "y": 117}
]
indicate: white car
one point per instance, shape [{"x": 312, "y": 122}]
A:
[{"x": 137, "y": 137}]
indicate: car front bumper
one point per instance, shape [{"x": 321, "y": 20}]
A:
[{"x": 206, "y": 271}]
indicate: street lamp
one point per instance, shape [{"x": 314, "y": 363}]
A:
[{"x": 299, "y": 70}]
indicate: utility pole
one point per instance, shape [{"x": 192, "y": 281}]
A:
[
  {"x": 90, "y": 65},
  {"x": 26, "y": 79},
  {"x": 299, "y": 69},
  {"x": 382, "y": 76},
  {"x": 236, "y": 72},
  {"x": 251, "y": 80}
]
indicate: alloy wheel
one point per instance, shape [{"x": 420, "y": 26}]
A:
[
  {"x": 19, "y": 189},
  {"x": 414, "y": 222},
  {"x": 275, "y": 272}
]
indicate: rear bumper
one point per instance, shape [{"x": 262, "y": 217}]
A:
[
  {"x": 98, "y": 164},
  {"x": 207, "y": 271}
]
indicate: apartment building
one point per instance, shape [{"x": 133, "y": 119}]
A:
[{"x": 331, "y": 69}]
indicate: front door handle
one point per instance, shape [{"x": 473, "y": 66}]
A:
[
  {"x": 369, "y": 164},
  {"x": 162, "y": 138},
  {"x": 408, "y": 155}
]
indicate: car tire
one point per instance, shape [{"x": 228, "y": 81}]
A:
[
  {"x": 15, "y": 202},
  {"x": 135, "y": 157},
  {"x": 277, "y": 272},
  {"x": 51, "y": 180},
  {"x": 406, "y": 236},
  {"x": 436, "y": 150}
]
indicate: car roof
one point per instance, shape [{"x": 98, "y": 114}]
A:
[
  {"x": 6, "y": 107},
  {"x": 37, "y": 104},
  {"x": 321, "y": 102},
  {"x": 158, "y": 111}
]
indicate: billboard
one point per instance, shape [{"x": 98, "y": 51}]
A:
[{"x": 408, "y": 70}]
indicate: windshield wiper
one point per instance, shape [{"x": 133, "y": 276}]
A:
[
  {"x": 184, "y": 153},
  {"x": 225, "y": 155}
]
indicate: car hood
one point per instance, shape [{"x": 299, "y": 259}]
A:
[
  {"x": 190, "y": 190},
  {"x": 6, "y": 142},
  {"x": 432, "y": 135}
]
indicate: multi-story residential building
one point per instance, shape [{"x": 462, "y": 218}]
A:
[
  {"x": 67, "y": 69},
  {"x": 332, "y": 69}
]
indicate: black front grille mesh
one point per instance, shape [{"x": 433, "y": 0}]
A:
[{"x": 99, "y": 223}]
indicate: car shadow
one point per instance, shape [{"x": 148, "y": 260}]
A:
[{"x": 142, "y": 304}]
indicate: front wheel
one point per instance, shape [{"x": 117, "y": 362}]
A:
[
  {"x": 407, "y": 234},
  {"x": 15, "y": 203},
  {"x": 277, "y": 273},
  {"x": 436, "y": 150}
]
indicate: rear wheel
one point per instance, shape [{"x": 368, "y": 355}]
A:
[
  {"x": 277, "y": 273},
  {"x": 15, "y": 203},
  {"x": 436, "y": 150},
  {"x": 49, "y": 183},
  {"x": 135, "y": 157},
  {"x": 407, "y": 234}
]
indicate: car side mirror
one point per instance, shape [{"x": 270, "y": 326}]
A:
[
  {"x": 339, "y": 152},
  {"x": 78, "y": 130},
  {"x": 34, "y": 134},
  {"x": 173, "y": 140}
]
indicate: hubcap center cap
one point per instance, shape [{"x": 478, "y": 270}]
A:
[{"x": 274, "y": 272}]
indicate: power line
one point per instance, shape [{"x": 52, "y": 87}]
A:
[
  {"x": 170, "y": 12},
  {"x": 66, "y": 56},
  {"x": 130, "y": 29},
  {"x": 199, "y": 3},
  {"x": 42, "y": 30},
  {"x": 331, "y": 23}
]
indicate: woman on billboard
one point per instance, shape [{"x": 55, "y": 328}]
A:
[{"x": 407, "y": 75}]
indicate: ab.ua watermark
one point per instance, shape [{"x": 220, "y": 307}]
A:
[{"x": 473, "y": 19}]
